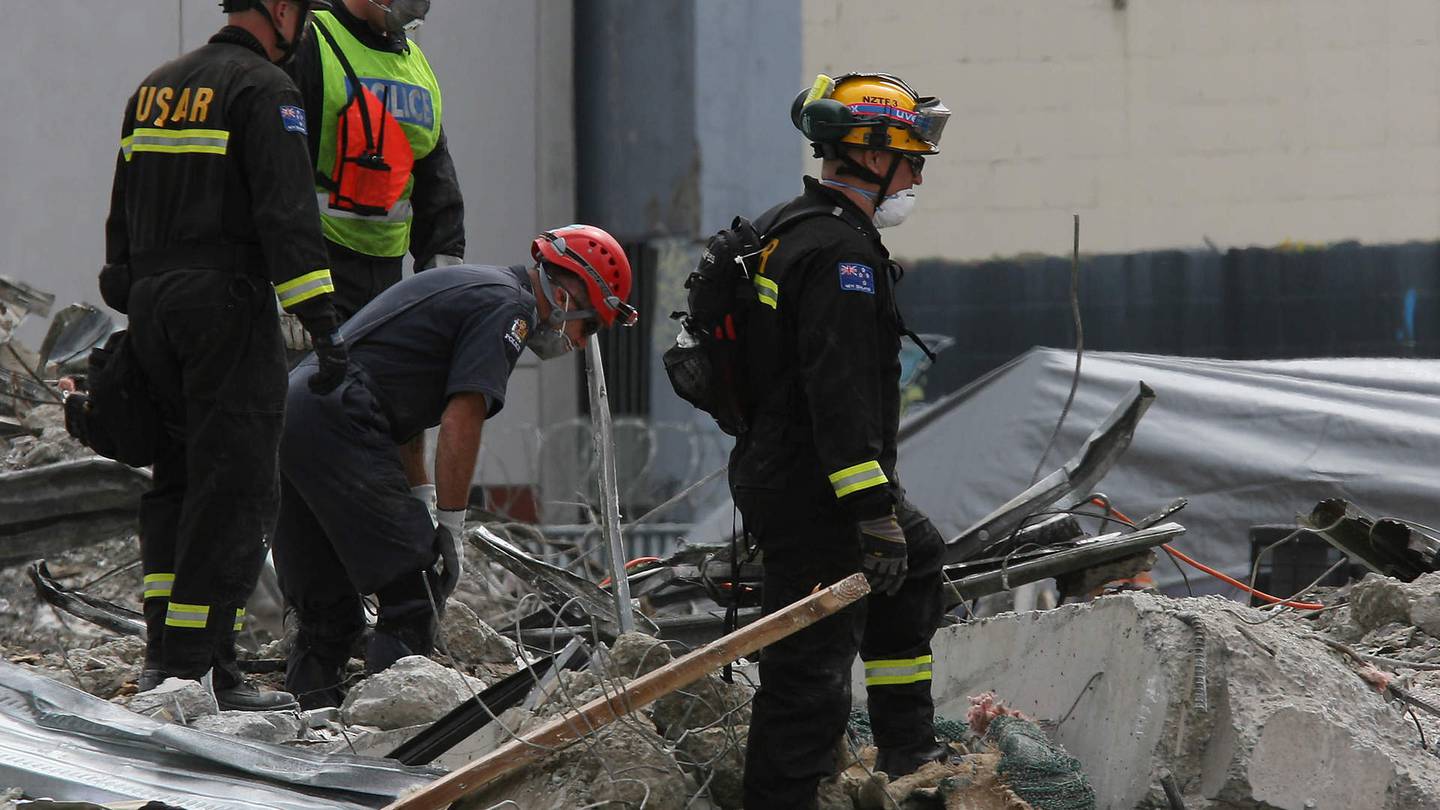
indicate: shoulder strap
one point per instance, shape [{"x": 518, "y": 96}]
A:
[
  {"x": 355, "y": 84},
  {"x": 789, "y": 218}
]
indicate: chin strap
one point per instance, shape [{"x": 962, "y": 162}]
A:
[
  {"x": 286, "y": 46},
  {"x": 855, "y": 168}
]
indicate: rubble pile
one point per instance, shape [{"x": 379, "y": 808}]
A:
[{"x": 43, "y": 442}]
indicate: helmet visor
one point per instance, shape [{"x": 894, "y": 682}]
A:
[{"x": 930, "y": 119}]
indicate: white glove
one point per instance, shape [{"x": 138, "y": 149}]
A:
[{"x": 425, "y": 493}]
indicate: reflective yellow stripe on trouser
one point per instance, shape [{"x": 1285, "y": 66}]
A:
[
  {"x": 854, "y": 479},
  {"x": 159, "y": 585},
  {"x": 895, "y": 671},
  {"x": 767, "y": 291},
  {"x": 175, "y": 141},
  {"x": 187, "y": 615},
  {"x": 303, "y": 288}
]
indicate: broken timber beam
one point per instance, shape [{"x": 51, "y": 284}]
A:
[{"x": 640, "y": 693}]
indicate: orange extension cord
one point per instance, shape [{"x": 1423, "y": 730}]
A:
[
  {"x": 630, "y": 565},
  {"x": 1182, "y": 557}
]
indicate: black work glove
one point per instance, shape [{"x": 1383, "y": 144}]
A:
[
  {"x": 447, "y": 545},
  {"x": 882, "y": 553},
  {"x": 330, "y": 351}
]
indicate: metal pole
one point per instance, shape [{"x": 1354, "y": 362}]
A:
[{"x": 604, "y": 443}]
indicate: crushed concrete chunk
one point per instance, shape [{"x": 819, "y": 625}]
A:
[
  {"x": 1377, "y": 600},
  {"x": 721, "y": 753},
  {"x": 271, "y": 727},
  {"x": 634, "y": 654},
  {"x": 702, "y": 704},
  {"x": 1425, "y": 609},
  {"x": 105, "y": 668},
  {"x": 176, "y": 700},
  {"x": 415, "y": 690},
  {"x": 471, "y": 641}
]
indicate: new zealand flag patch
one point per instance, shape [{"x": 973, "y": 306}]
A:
[
  {"x": 856, "y": 277},
  {"x": 293, "y": 118}
]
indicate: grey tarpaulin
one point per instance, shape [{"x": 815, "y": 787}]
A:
[
  {"x": 61, "y": 742},
  {"x": 1248, "y": 442}
]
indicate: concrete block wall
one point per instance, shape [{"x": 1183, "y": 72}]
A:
[{"x": 1162, "y": 123}]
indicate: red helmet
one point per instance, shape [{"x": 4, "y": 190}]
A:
[{"x": 596, "y": 258}]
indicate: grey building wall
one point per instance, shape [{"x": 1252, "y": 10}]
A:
[{"x": 683, "y": 121}]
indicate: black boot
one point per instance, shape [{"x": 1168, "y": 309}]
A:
[
  {"x": 315, "y": 668},
  {"x": 246, "y": 697},
  {"x": 405, "y": 624},
  {"x": 898, "y": 762},
  {"x": 152, "y": 671},
  {"x": 150, "y": 677},
  {"x": 397, "y": 637}
]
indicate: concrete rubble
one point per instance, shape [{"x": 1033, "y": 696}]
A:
[{"x": 1241, "y": 708}]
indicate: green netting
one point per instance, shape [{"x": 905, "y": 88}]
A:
[
  {"x": 946, "y": 730},
  {"x": 1038, "y": 770}
]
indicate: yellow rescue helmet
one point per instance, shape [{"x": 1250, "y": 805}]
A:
[{"x": 869, "y": 110}]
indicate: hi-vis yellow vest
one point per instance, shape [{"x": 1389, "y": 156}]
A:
[{"x": 414, "y": 100}]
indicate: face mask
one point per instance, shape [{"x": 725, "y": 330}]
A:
[
  {"x": 404, "y": 16},
  {"x": 894, "y": 209},
  {"x": 547, "y": 344}
]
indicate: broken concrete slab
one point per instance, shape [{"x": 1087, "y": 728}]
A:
[
  {"x": 413, "y": 691},
  {"x": 270, "y": 727},
  {"x": 1133, "y": 684},
  {"x": 175, "y": 700}
]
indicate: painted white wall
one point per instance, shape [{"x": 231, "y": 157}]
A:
[{"x": 1162, "y": 123}]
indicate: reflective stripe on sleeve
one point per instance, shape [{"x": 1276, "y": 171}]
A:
[
  {"x": 239, "y": 619},
  {"x": 854, "y": 479},
  {"x": 768, "y": 291},
  {"x": 896, "y": 671},
  {"x": 303, "y": 288},
  {"x": 158, "y": 585},
  {"x": 176, "y": 141},
  {"x": 187, "y": 615}
]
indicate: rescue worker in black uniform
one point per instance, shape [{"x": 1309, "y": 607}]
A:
[
  {"x": 814, "y": 475},
  {"x": 358, "y": 510},
  {"x": 212, "y": 205},
  {"x": 367, "y": 248}
]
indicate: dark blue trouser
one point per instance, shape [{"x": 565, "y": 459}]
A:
[
  {"x": 348, "y": 524},
  {"x": 209, "y": 342},
  {"x": 803, "y": 703}
]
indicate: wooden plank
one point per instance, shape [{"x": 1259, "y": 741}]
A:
[{"x": 640, "y": 693}]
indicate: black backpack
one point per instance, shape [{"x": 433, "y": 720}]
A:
[
  {"x": 705, "y": 365},
  {"x": 117, "y": 417}
]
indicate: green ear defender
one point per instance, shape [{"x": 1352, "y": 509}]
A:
[{"x": 826, "y": 120}]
